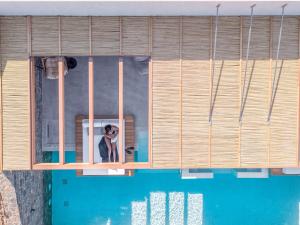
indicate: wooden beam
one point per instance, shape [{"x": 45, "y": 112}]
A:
[
  {"x": 270, "y": 87},
  {"x": 234, "y": 166},
  {"x": 32, "y": 109},
  {"x": 210, "y": 87},
  {"x": 241, "y": 97},
  {"x": 91, "y": 110},
  {"x": 150, "y": 104},
  {"x": 61, "y": 110},
  {"x": 128, "y": 165},
  {"x": 81, "y": 166},
  {"x": 121, "y": 116},
  {"x": 61, "y": 101},
  {"x": 150, "y": 113},
  {"x": 121, "y": 105},
  {"x": 61, "y": 95},
  {"x": 91, "y": 96},
  {"x": 31, "y": 96},
  {"x": 180, "y": 64}
]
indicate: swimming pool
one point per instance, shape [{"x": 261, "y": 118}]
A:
[{"x": 161, "y": 197}]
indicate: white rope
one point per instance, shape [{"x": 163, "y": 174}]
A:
[
  {"x": 243, "y": 99},
  {"x": 274, "y": 87},
  {"x": 213, "y": 64}
]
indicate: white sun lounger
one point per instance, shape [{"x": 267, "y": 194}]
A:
[
  {"x": 99, "y": 125},
  {"x": 291, "y": 171},
  {"x": 263, "y": 173},
  {"x": 188, "y": 174}
]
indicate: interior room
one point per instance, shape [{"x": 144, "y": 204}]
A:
[{"x": 106, "y": 103}]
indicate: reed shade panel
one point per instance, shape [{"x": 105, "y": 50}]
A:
[
  {"x": 166, "y": 92},
  {"x": 15, "y": 94},
  {"x": 75, "y": 36},
  {"x": 13, "y": 38},
  {"x": 181, "y": 133},
  {"x": 225, "y": 128},
  {"x": 254, "y": 140},
  {"x": 284, "y": 120},
  {"x": 195, "y": 91},
  {"x": 106, "y": 35},
  {"x": 45, "y": 36},
  {"x": 135, "y": 36}
]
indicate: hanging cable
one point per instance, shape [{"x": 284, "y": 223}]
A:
[
  {"x": 275, "y": 79},
  {"x": 243, "y": 99},
  {"x": 213, "y": 64}
]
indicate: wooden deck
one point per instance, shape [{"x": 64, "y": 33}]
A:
[
  {"x": 129, "y": 139},
  {"x": 181, "y": 70}
]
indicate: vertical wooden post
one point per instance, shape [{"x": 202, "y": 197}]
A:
[
  {"x": 61, "y": 110},
  {"x": 121, "y": 105},
  {"x": 121, "y": 117},
  {"x": 31, "y": 96},
  {"x": 241, "y": 97},
  {"x": 33, "y": 114},
  {"x": 91, "y": 97},
  {"x": 150, "y": 79},
  {"x": 180, "y": 64},
  {"x": 210, "y": 87},
  {"x": 270, "y": 87},
  {"x": 91, "y": 110},
  {"x": 61, "y": 99}
]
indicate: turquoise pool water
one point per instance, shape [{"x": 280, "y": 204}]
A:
[
  {"x": 162, "y": 197},
  {"x": 142, "y": 146}
]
